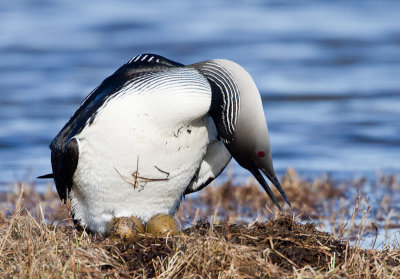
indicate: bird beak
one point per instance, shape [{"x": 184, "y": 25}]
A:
[{"x": 257, "y": 174}]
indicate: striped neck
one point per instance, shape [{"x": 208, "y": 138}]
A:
[{"x": 225, "y": 101}]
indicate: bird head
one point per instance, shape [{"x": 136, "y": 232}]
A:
[{"x": 238, "y": 113}]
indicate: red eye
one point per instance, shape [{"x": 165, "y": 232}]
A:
[{"x": 260, "y": 153}]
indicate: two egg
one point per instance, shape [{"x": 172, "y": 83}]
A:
[{"x": 159, "y": 225}]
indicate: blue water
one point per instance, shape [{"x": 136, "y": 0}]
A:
[{"x": 328, "y": 72}]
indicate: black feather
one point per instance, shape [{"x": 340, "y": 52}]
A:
[
  {"x": 64, "y": 165},
  {"x": 50, "y": 175}
]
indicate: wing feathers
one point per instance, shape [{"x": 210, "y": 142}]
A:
[
  {"x": 64, "y": 163},
  {"x": 214, "y": 162}
]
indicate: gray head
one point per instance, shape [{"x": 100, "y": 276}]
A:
[{"x": 239, "y": 117}]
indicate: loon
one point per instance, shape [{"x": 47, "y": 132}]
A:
[{"x": 155, "y": 131}]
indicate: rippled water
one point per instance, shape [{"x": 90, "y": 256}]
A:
[{"x": 328, "y": 72}]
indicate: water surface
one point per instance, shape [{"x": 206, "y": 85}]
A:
[{"x": 327, "y": 71}]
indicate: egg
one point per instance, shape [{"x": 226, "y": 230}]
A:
[
  {"x": 162, "y": 225},
  {"x": 124, "y": 227}
]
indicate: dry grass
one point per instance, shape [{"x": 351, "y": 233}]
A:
[{"x": 37, "y": 239}]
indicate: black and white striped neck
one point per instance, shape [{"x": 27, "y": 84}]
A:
[{"x": 225, "y": 102}]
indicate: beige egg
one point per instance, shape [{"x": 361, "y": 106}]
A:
[
  {"x": 162, "y": 225},
  {"x": 124, "y": 227}
]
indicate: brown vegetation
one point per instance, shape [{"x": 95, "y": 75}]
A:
[{"x": 37, "y": 239}]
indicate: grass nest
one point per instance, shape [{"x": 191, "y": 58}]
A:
[
  {"x": 280, "y": 248},
  {"x": 211, "y": 250}
]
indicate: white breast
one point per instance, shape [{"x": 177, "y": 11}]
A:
[{"x": 141, "y": 151}]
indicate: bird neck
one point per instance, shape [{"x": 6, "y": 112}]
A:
[{"x": 225, "y": 98}]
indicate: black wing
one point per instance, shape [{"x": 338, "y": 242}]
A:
[
  {"x": 64, "y": 148},
  {"x": 64, "y": 164}
]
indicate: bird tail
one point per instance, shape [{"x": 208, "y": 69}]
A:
[{"x": 50, "y": 175}]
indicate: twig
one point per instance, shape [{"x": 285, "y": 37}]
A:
[
  {"x": 283, "y": 256},
  {"x": 136, "y": 176},
  {"x": 160, "y": 170},
  {"x": 196, "y": 216}
]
